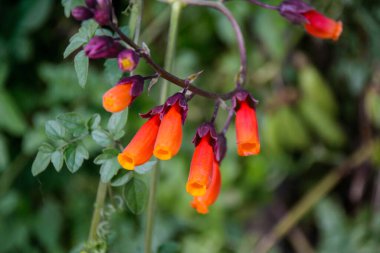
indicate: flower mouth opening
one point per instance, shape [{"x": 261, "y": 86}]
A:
[
  {"x": 196, "y": 189},
  {"x": 162, "y": 153},
  {"x": 249, "y": 148},
  {"x": 126, "y": 161}
]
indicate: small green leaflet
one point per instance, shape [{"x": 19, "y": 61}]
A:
[
  {"x": 81, "y": 67},
  {"x": 136, "y": 195}
]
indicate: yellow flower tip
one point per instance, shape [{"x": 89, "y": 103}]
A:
[
  {"x": 195, "y": 189},
  {"x": 199, "y": 206},
  {"x": 247, "y": 149},
  {"x": 162, "y": 153},
  {"x": 126, "y": 161},
  {"x": 127, "y": 63}
]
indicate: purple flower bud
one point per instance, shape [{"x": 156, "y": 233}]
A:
[
  {"x": 102, "y": 47},
  {"x": 293, "y": 10},
  {"x": 91, "y": 3},
  {"x": 102, "y": 16},
  {"x": 127, "y": 60},
  {"x": 81, "y": 13},
  {"x": 220, "y": 148}
]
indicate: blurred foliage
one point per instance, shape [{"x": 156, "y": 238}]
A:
[{"x": 319, "y": 101}]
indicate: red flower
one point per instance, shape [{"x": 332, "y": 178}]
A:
[
  {"x": 201, "y": 203},
  {"x": 140, "y": 149},
  {"x": 247, "y": 134},
  {"x": 321, "y": 26},
  {"x": 123, "y": 93},
  {"x": 202, "y": 161},
  {"x": 169, "y": 136}
]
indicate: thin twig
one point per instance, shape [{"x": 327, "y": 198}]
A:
[
  {"x": 239, "y": 36},
  {"x": 266, "y": 6},
  {"x": 231, "y": 114},
  {"x": 167, "y": 75}
]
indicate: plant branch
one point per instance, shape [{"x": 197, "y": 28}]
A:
[
  {"x": 261, "y": 4},
  {"x": 312, "y": 198},
  {"x": 167, "y": 75},
  {"x": 235, "y": 26},
  {"x": 231, "y": 114}
]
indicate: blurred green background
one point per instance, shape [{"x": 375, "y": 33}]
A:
[{"x": 319, "y": 103}]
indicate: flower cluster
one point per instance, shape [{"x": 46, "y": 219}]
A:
[{"x": 161, "y": 135}]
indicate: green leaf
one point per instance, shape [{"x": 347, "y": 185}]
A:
[
  {"x": 4, "y": 71},
  {"x": 122, "y": 180},
  {"x": 46, "y": 147},
  {"x": 111, "y": 71},
  {"x": 68, "y": 5},
  {"x": 316, "y": 90},
  {"x": 71, "y": 120},
  {"x": 85, "y": 33},
  {"x": 89, "y": 28},
  {"x": 146, "y": 167},
  {"x": 109, "y": 164},
  {"x": 93, "y": 122},
  {"x": 57, "y": 159},
  {"x": 4, "y": 153},
  {"x": 117, "y": 122},
  {"x": 323, "y": 124},
  {"x": 81, "y": 67},
  {"x": 136, "y": 195},
  {"x": 290, "y": 130},
  {"x": 76, "y": 41},
  {"x": 101, "y": 137},
  {"x": 169, "y": 247},
  {"x": 11, "y": 118},
  {"x": 40, "y": 163},
  {"x": 54, "y": 130},
  {"x": 109, "y": 169},
  {"x": 35, "y": 16},
  {"x": 74, "y": 157}
]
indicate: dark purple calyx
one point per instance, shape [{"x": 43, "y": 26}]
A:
[
  {"x": 204, "y": 130},
  {"x": 136, "y": 82},
  {"x": 243, "y": 96},
  {"x": 82, "y": 13},
  {"x": 102, "y": 47},
  {"x": 293, "y": 10},
  {"x": 220, "y": 147},
  {"x": 180, "y": 100},
  {"x": 158, "y": 110},
  {"x": 91, "y": 3}
]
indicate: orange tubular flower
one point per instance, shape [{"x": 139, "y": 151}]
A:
[
  {"x": 202, "y": 161},
  {"x": 169, "y": 137},
  {"x": 321, "y": 26},
  {"x": 247, "y": 134},
  {"x": 140, "y": 149},
  {"x": 201, "y": 203},
  {"x": 123, "y": 93},
  {"x": 315, "y": 23}
]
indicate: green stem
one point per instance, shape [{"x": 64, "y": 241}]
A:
[
  {"x": 99, "y": 203},
  {"x": 169, "y": 59},
  {"x": 12, "y": 172}
]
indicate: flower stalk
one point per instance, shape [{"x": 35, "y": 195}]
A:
[{"x": 99, "y": 203}]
